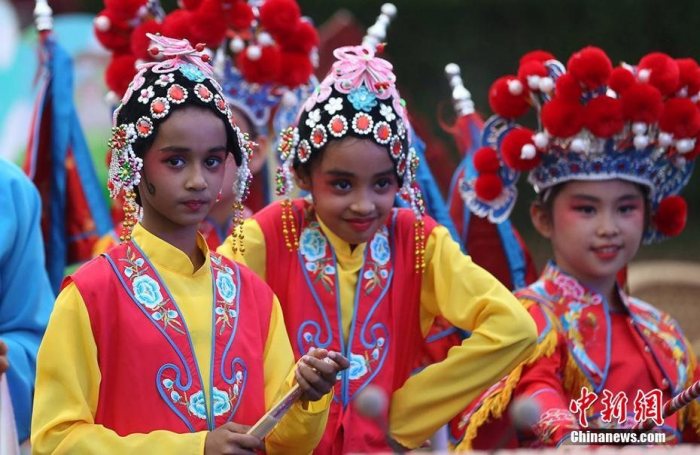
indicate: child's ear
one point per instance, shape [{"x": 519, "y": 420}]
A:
[
  {"x": 302, "y": 179},
  {"x": 541, "y": 219}
]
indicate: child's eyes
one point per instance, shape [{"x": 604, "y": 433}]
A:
[
  {"x": 342, "y": 185},
  {"x": 384, "y": 183},
  {"x": 175, "y": 161},
  {"x": 628, "y": 208},
  {"x": 585, "y": 209},
  {"x": 213, "y": 161}
]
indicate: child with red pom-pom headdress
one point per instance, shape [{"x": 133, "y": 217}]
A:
[{"x": 613, "y": 148}]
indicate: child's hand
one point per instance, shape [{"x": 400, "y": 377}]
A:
[
  {"x": 4, "y": 363},
  {"x": 231, "y": 438},
  {"x": 317, "y": 372}
]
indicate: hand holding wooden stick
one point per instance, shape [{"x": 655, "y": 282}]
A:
[{"x": 316, "y": 375}]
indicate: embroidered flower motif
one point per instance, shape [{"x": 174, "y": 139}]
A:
[
  {"x": 379, "y": 249},
  {"x": 569, "y": 286},
  {"x": 387, "y": 112},
  {"x": 312, "y": 245},
  {"x": 196, "y": 405},
  {"x": 147, "y": 291},
  {"x": 313, "y": 118},
  {"x": 192, "y": 73},
  {"x": 358, "y": 366},
  {"x": 226, "y": 286},
  {"x": 146, "y": 95},
  {"x": 334, "y": 105},
  {"x": 362, "y": 99},
  {"x": 221, "y": 402},
  {"x": 175, "y": 396},
  {"x": 165, "y": 79}
]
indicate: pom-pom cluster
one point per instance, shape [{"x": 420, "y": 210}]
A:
[{"x": 272, "y": 44}]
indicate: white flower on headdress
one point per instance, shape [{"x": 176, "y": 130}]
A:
[
  {"x": 146, "y": 95},
  {"x": 334, "y": 105},
  {"x": 314, "y": 118},
  {"x": 387, "y": 112},
  {"x": 165, "y": 79}
]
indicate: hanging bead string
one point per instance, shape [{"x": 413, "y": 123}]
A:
[{"x": 289, "y": 229}]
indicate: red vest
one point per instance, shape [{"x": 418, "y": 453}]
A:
[
  {"x": 385, "y": 340},
  {"x": 150, "y": 378}
]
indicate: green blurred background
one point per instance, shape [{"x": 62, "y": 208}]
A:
[{"x": 486, "y": 38}]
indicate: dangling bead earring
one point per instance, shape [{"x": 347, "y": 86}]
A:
[
  {"x": 218, "y": 196},
  {"x": 131, "y": 215},
  {"x": 237, "y": 244},
  {"x": 289, "y": 229},
  {"x": 419, "y": 245}
]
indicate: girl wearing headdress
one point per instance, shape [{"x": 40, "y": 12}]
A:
[
  {"x": 356, "y": 275},
  {"x": 160, "y": 345},
  {"x": 613, "y": 150}
]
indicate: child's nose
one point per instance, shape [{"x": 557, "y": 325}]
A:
[
  {"x": 608, "y": 225},
  {"x": 195, "y": 179},
  {"x": 363, "y": 206}
]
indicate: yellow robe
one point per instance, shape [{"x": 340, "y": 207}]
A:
[
  {"x": 502, "y": 332},
  {"x": 68, "y": 374}
]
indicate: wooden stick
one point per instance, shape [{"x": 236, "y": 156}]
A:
[{"x": 264, "y": 426}]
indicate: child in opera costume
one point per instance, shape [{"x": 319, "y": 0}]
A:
[
  {"x": 160, "y": 345},
  {"x": 356, "y": 275},
  {"x": 616, "y": 147},
  {"x": 250, "y": 44}
]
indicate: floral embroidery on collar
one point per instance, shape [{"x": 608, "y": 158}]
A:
[
  {"x": 377, "y": 265},
  {"x": 148, "y": 293},
  {"x": 313, "y": 246}
]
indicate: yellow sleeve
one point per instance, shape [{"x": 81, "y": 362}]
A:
[
  {"x": 254, "y": 242},
  {"x": 67, "y": 389},
  {"x": 301, "y": 429},
  {"x": 502, "y": 335}
]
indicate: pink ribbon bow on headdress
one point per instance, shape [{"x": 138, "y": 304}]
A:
[{"x": 175, "y": 53}]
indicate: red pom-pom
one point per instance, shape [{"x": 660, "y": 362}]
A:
[
  {"x": 177, "y": 25},
  {"x": 119, "y": 73},
  {"x": 239, "y": 16},
  {"x": 663, "y": 72},
  {"x": 590, "y": 66},
  {"x": 536, "y": 56},
  {"x": 567, "y": 88},
  {"x": 113, "y": 33},
  {"x": 124, "y": 9},
  {"x": 680, "y": 117},
  {"x": 140, "y": 43},
  {"x": 297, "y": 69},
  {"x": 505, "y": 103},
  {"x": 671, "y": 216},
  {"x": 488, "y": 187},
  {"x": 262, "y": 70},
  {"x": 486, "y": 161},
  {"x": 208, "y": 26},
  {"x": 642, "y": 103},
  {"x": 603, "y": 116},
  {"x": 302, "y": 39},
  {"x": 531, "y": 68},
  {"x": 280, "y": 16},
  {"x": 621, "y": 79},
  {"x": 689, "y": 73},
  {"x": 190, "y": 4},
  {"x": 561, "y": 118},
  {"x": 512, "y": 149}
]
